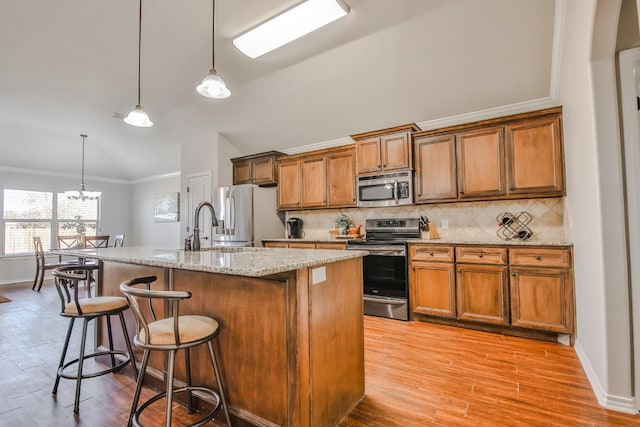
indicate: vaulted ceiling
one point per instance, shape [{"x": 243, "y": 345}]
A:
[{"x": 68, "y": 65}]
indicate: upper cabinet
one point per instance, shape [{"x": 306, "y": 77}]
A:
[
  {"x": 510, "y": 157},
  {"x": 320, "y": 179},
  {"x": 534, "y": 156},
  {"x": 257, "y": 169},
  {"x": 384, "y": 150}
]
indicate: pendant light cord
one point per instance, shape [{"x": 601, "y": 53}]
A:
[
  {"x": 213, "y": 36},
  {"x": 82, "y": 184},
  {"x": 139, "y": 48}
]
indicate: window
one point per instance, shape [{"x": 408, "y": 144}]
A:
[{"x": 27, "y": 214}]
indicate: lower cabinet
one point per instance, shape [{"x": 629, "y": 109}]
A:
[
  {"x": 304, "y": 245},
  {"x": 520, "y": 288},
  {"x": 483, "y": 293}
]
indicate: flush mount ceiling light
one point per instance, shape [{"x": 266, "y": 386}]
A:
[
  {"x": 212, "y": 85},
  {"x": 82, "y": 194},
  {"x": 137, "y": 117},
  {"x": 290, "y": 25}
]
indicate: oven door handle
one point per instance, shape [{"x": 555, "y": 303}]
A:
[
  {"x": 385, "y": 252},
  {"x": 384, "y": 301}
]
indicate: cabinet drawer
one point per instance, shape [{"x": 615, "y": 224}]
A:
[
  {"x": 540, "y": 257},
  {"x": 331, "y": 246},
  {"x": 481, "y": 255},
  {"x": 431, "y": 253},
  {"x": 276, "y": 245},
  {"x": 302, "y": 245}
]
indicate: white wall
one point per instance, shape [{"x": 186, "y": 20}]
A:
[
  {"x": 594, "y": 207},
  {"x": 144, "y": 230},
  {"x": 114, "y": 214}
]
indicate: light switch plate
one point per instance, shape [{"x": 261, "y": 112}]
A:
[
  {"x": 445, "y": 224},
  {"x": 318, "y": 275}
]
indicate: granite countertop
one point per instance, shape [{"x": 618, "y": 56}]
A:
[
  {"x": 492, "y": 242},
  {"x": 515, "y": 242},
  {"x": 238, "y": 261}
]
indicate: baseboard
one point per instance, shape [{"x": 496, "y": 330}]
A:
[
  {"x": 23, "y": 280},
  {"x": 626, "y": 404}
]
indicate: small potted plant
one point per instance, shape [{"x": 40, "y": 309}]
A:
[{"x": 343, "y": 223}]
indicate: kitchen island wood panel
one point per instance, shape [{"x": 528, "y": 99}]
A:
[{"x": 291, "y": 348}]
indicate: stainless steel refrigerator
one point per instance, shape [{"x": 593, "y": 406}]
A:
[{"x": 246, "y": 215}]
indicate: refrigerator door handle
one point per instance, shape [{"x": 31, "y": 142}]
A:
[{"x": 231, "y": 203}]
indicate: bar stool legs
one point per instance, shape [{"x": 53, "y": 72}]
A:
[{"x": 80, "y": 375}]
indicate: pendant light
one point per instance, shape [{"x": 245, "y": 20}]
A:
[
  {"x": 82, "y": 194},
  {"x": 212, "y": 85},
  {"x": 137, "y": 116}
]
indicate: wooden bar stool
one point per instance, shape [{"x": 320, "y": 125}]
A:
[
  {"x": 68, "y": 281},
  {"x": 171, "y": 334}
]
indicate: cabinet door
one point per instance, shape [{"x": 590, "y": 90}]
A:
[
  {"x": 534, "y": 157},
  {"x": 436, "y": 168},
  {"x": 482, "y": 293},
  {"x": 289, "y": 190},
  {"x": 242, "y": 172},
  {"x": 314, "y": 179},
  {"x": 341, "y": 178},
  {"x": 263, "y": 171},
  {"x": 368, "y": 155},
  {"x": 542, "y": 298},
  {"x": 396, "y": 151},
  {"x": 432, "y": 289},
  {"x": 481, "y": 162}
]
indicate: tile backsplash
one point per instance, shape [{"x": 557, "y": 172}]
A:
[{"x": 467, "y": 221}]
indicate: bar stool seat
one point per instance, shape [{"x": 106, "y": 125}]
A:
[
  {"x": 68, "y": 282},
  {"x": 171, "y": 334}
]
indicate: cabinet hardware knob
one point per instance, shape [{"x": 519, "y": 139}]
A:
[
  {"x": 480, "y": 256},
  {"x": 513, "y": 274},
  {"x": 430, "y": 253},
  {"x": 511, "y": 187},
  {"x": 462, "y": 192},
  {"x": 537, "y": 257}
]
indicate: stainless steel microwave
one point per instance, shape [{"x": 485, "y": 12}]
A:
[{"x": 388, "y": 189}]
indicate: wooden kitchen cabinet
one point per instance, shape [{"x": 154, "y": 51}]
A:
[
  {"x": 314, "y": 178},
  {"x": 384, "y": 150},
  {"x": 304, "y": 245},
  {"x": 513, "y": 157},
  {"x": 341, "y": 183},
  {"x": 535, "y": 156},
  {"x": 480, "y": 162},
  {"x": 320, "y": 179},
  {"x": 260, "y": 169},
  {"x": 482, "y": 293},
  {"x": 290, "y": 188},
  {"x": 435, "y": 163},
  {"x": 432, "y": 284},
  {"x": 542, "y": 292}
]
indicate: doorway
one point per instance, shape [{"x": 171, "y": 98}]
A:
[{"x": 199, "y": 189}]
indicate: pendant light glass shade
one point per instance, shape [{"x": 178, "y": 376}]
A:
[
  {"x": 212, "y": 85},
  {"x": 137, "y": 117},
  {"x": 82, "y": 194}
]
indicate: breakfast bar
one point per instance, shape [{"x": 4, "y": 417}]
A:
[{"x": 291, "y": 345}]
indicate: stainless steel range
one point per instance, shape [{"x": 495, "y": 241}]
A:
[{"x": 386, "y": 290}]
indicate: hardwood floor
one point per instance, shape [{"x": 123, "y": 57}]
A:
[{"x": 417, "y": 374}]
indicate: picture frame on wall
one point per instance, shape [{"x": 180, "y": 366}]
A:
[{"x": 166, "y": 207}]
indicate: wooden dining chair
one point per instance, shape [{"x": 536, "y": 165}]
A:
[
  {"x": 42, "y": 265},
  {"x": 118, "y": 240},
  {"x": 96, "y": 241}
]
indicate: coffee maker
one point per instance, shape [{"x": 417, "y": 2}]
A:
[{"x": 294, "y": 228}]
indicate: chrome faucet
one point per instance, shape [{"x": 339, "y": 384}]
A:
[{"x": 196, "y": 223}]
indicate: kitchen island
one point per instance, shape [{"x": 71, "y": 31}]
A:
[{"x": 291, "y": 344}]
